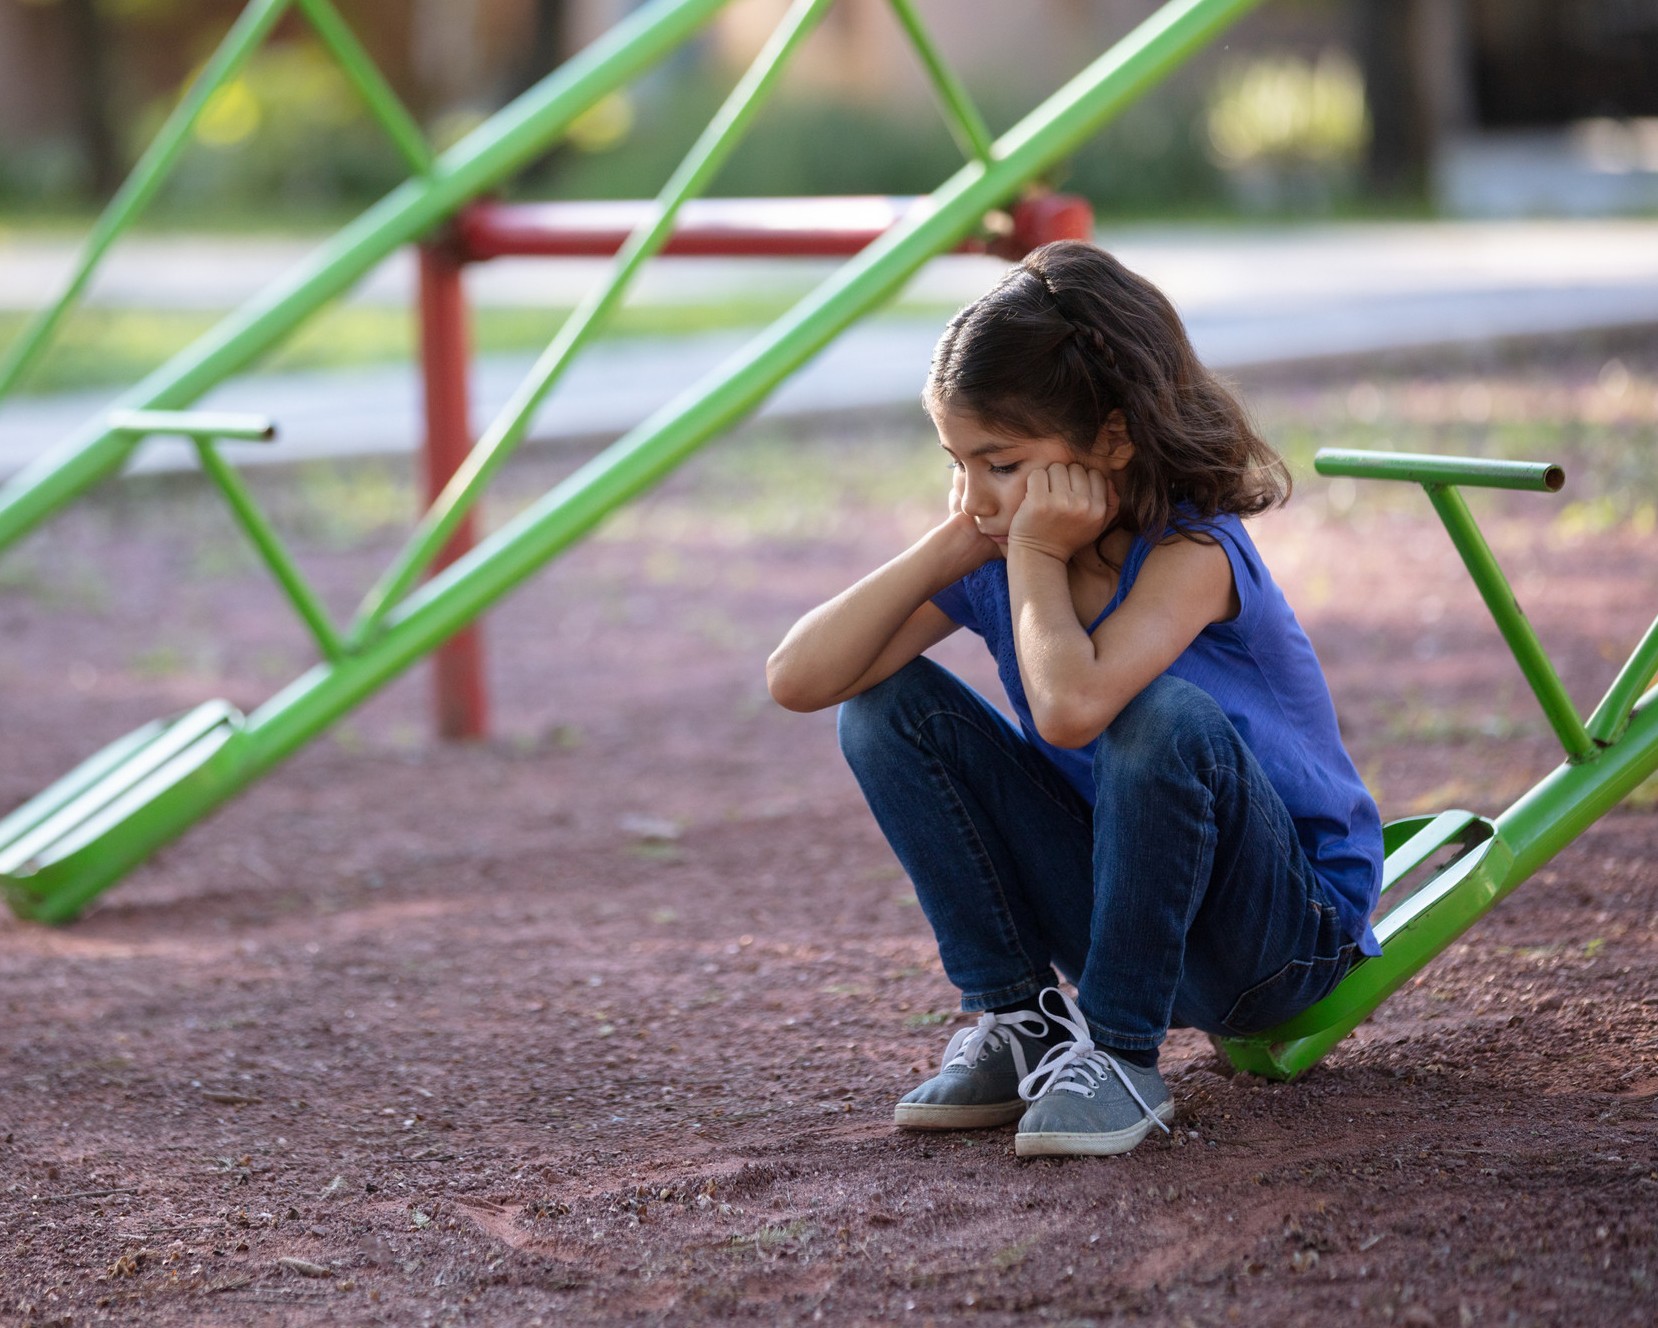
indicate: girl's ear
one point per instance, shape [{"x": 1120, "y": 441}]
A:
[{"x": 1114, "y": 446}]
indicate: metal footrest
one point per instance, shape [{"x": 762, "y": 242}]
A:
[{"x": 65, "y": 844}]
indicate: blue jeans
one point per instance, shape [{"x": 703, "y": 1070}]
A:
[{"x": 1181, "y": 897}]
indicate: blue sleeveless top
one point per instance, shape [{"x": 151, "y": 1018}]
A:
[{"x": 1262, "y": 672}]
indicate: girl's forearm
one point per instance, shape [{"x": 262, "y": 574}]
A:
[
  {"x": 1057, "y": 663},
  {"x": 832, "y": 647}
]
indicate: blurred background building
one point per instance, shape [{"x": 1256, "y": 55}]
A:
[{"x": 1467, "y": 107}]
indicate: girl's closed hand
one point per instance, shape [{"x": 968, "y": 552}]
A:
[{"x": 1066, "y": 507}]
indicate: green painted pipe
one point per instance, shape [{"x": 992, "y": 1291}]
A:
[
  {"x": 966, "y": 124},
  {"x": 1512, "y": 622},
  {"x": 1540, "y": 823},
  {"x": 1438, "y": 475},
  {"x": 1598, "y": 773},
  {"x": 268, "y": 544},
  {"x": 1561, "y": 807},
  {"x": 508, "y": 142},
  {"x": 1419, "y": 468},
  {"x": 193, "y": 424},
  {"x": 371, "y": 85},
  {"x": 1612, "y": 714}
]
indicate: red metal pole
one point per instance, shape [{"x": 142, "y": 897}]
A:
[
  {"x": 462, "y": 710},
  {"x": 826, "y": 226}
]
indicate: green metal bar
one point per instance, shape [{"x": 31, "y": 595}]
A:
[
  {"x": 271, "y": 549},
  {"x": 203, "y": 428},
  {"x": 135, "y": 193},
  {"x": 693, "y": 174},
  {"x": 1561, "y": 807},
  {"x": 142, "y": 754},
  {"x": 52, "y": 800},
  {"x": 1511, "y": 621},
  {"x": 1612, "y": 714},
  {"x": 509, "y": 141},
  {"x": 1437, "y": 832},
  {"x": 966, "y": 124},
  {"x": 1461, "y": 896},
  {"x": 365, "y": 75},
  {"x": 193, "y": 424},
  {"x": 1421, "y": 469}
]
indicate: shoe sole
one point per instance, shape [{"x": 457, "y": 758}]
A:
[
  {"x": 945, "y": 1116},
  {"x": 1089, "y": 1144}
]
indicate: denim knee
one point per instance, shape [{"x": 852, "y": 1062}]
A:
[
  {"x": 875, "y": 716},
  {"x": 1170, "y": 716}
]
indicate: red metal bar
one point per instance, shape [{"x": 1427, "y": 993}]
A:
[
  {"x": 458, "y": 667},
  {"x": 741, "y": 227},
  {"x": 1041, "y": 218},
  {"x": 730, "y": 227}
]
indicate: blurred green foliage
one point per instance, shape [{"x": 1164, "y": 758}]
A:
[
  {"x": 289, "y": 139},
  {"x": 1153, "y": 157}
]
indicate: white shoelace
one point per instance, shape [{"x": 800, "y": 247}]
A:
[
  {"x": 1078, "y": 1065},
  {"x": 989, "y": 1033}
]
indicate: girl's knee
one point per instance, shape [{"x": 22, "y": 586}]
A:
[{"x": 876, "y": 715}]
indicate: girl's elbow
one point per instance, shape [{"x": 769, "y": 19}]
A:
[
  {"x": 1069, "y": 726},
  {"x": 788, "y": 689}
]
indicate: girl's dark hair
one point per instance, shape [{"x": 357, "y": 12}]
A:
[{"x": 1071, "y": 335}]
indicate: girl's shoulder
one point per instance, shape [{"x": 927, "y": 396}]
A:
[
  {"x": 1188, "y": 528},
  {"x": 1196, "y": 540}
]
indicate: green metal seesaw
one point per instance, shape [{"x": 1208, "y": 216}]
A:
[
  {"x": 62, "y": 848},
  {"x": 1605, "y": 760}
]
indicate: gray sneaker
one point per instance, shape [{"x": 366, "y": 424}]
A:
[
  {"x": 1083, "y": 1101},
  {"x": 978, "y": 1084}
]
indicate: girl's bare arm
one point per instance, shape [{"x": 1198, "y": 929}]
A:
[{"x": 872, "y": 629}]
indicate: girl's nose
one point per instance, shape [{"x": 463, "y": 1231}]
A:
[{"x": 976, "y": 500}]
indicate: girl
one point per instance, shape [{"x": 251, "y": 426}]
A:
[{"x": 1173, "y": 824}]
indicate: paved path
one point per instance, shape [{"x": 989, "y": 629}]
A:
[{"x": 1249, "y": 297}]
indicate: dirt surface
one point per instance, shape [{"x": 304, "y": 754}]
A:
[{"x": 602, "y": 1021}]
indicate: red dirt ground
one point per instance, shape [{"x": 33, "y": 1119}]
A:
[{"x": 602, "y": 1021}]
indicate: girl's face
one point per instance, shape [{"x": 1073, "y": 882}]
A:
[{"x": 989, "y": 471}]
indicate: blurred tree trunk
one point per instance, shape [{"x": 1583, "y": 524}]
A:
[
  {"x": 89, "y": 72},
  {"x": 1397, "y": 163},
  {"x": 548, "y": 42},
  {"x": 547, "y": 45},
  {"x": 1414, "y": 54}
]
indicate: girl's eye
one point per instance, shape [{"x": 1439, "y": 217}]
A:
[
  {"x": 952, "y": 464},
  {"x": 1004, "y": 470}
]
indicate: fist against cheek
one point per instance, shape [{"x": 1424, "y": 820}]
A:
[{"x": 1065, "y": 508}]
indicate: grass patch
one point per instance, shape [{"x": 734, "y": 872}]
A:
[{"x": 103, "y": 347}]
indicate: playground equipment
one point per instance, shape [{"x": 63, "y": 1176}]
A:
[
  {"x": 1483, "y": 858},
  {"x": 62, "y": 848},
  {"x": 59, "y": 850}
]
